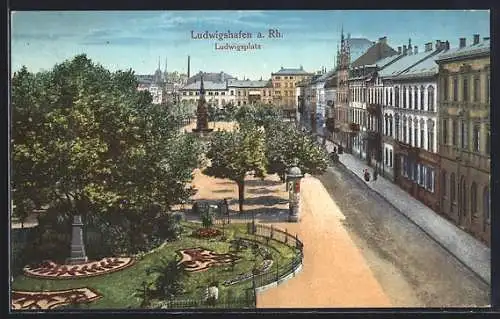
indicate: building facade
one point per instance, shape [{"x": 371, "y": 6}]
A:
[
  {"x": 464, "y": 136},
  {"x": 284, "y": 83},
  {"x": 216, "y": 93},
  {"x": 343, "y": 129},
  {"x": 417, "y": 150},
  {"x": 244, "y": 92},
  {"x": 409, "y": 108}
]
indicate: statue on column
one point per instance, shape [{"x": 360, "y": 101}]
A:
[{"x": 202, "y": 112}]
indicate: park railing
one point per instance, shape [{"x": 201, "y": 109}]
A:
[
  {"x": 226, "y": 301},
  {"x": 277, "y": 273}
]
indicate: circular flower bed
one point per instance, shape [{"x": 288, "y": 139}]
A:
[
  {"x": 206, "y": 232},
  {"x": 51, "y": 270}
]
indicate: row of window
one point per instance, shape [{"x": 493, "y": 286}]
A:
[
  {"x": 216, "y": 93},
  {"x": 414, "y": 98},
  {"x": 466, "y": 95},
  {"x": 287, "y": 85},
  {"x": 412, "y": 133},
  {"x": 462, "y": 197},
  {"x": 284, "y": 78},
  {"x": 421, "y": 174},
  {"x": 461, "y": 135},
  {"x": 411, "y": 97}
]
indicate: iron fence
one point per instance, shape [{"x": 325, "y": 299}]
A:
[
  {"x": 276, "y": 272},
  {"x": 227, "y": 301}
]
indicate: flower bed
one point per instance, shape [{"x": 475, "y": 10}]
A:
[
  {"x": 206, "y": 232},
  {"x": 200, "y": 259},
  {"x": 51, "y": 270},
  {"x": 36, "y": 300}
]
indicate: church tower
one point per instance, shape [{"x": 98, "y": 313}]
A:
[{"x": 342, "y": 103}]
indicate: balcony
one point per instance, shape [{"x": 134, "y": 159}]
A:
[
  {"x": 411, "y": 150},
  {"x": 374, "y": 109},
  {"x": 354, "y": 127},
  {"x": 373, "y": 135}
]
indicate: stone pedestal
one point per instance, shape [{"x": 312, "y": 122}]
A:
[
  {"x": 77, "y": 255},
  {"x": 202, "y": 118}
]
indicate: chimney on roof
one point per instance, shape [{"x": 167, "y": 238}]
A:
[
  {"x": 428, "y": 46},
  {"x": 189, "y": 65},
  {"x": 382, "y": 40},
  {"x": 438, "y": 45},
  {"x": 415, "y": 49},
  {"x": 399, "y": 50},
  {"x": 476, "y": 38},
  {"x": 282, "y": 67},
  {"x": 462, "y": 43},
  {"x": 404, "y": 50},
  {"x": 301, "y": 67},
  {"x": 410, "y": 50},
  {"x": 486, "y": 38},
  {"x": 222, "y": 76}
]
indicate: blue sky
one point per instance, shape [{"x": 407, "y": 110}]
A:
[{"x": 135, "y": 39}]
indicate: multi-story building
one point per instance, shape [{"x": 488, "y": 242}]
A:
[
  {"x": 403, "y": 160},
  {"x": 318, "y": 109},
  {"x": 302, "y": 107},
  {"x": 244, "y": 92},
  {"x": 310, "y": 98},
  {"x": 284, "y": 83},
  {"x": 343, "y": 130},
  {"x": 464, "y": 135},
  {"x": 415, "y": 148},
  {"x": 216, "y": 92},
  {"x": 361, "y": 81}
]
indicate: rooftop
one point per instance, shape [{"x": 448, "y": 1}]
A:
[
  {"x": 247, "y": 83},
  {"x": 483, "y": 47},
  {"x": 382, "y": 63},
  {"x": 207, "y": 85},
  {"x": 213, "y": 77},
  {"x": 377, "y": 51},
  {"x": 323, "y": 77},
  {"x": 428, "y": 67},
  {"x": 404, "y": 63},
  {"x": 291, "y": 71},
  {"x": 331, "y": 82}
]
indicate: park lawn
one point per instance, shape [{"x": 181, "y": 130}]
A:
[{"x": 120, "y": 289}]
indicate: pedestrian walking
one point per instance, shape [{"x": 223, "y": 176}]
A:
[
  {"x": 366, "y": 175},
  {"x": 375, "y": 175}
]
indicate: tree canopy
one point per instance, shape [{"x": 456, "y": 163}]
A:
[
  {"x": 233, "y": 154},
  {"x": 285, "y": 144},
  {"x": 84, "y": 136}
]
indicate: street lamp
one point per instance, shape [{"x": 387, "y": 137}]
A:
[{"x": 293, "y": 179}]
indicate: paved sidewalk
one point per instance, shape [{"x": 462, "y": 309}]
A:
[
  {"x": 463, "y": 246},
  {"x": 335, "y": 273}
]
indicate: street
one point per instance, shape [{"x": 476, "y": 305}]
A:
[{"x": 411, "y": 267}]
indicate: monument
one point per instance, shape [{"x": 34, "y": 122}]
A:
[
  {"x": 202, "y": 112},
  {"x": 78, "y": 255}
]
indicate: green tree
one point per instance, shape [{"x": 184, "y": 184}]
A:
[
  {"x": 84, "y": 137},
  {"x": 234, "y": 154},
  {"x": 284, "y": 143},
  {"x": 170, "y": 278}
]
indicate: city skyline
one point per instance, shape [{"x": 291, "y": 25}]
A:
[{"x": 311, "y": 36}]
